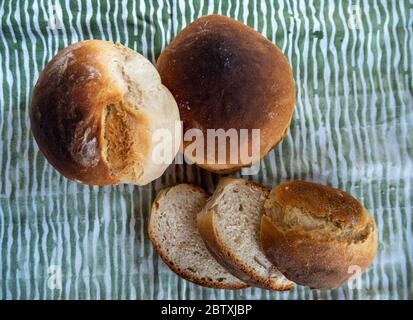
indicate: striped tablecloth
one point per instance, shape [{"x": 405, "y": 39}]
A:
[{"x": 352, "y": 129}]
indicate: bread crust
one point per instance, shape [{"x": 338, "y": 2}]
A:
[
  {"x": 221, "y": 252},
  {"x": 323, "y": 255},
  {"x": 224, "y": 74},
  {"x": 184, "y": 274}
]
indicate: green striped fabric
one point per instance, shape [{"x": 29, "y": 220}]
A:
[{"x": 352, "y": 129}]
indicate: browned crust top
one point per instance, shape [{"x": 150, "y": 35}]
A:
[
  {"x": 321, "y": 202},
  {"x": 223, "y": 74}
]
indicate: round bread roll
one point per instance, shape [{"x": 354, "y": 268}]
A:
[
  {"x": 95, "y": 111},
  {"x": 316, "y": 235},
  {"x": 225, "y": 75}
]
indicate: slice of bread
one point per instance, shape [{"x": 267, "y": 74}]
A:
[
  {"x": 173, "y": 231},
  {"x": 230, "y": 227}
]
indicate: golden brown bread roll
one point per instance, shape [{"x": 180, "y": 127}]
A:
[
  {"x": 223, "y": 75},
  {"x": 94, "y": 111},
  {"x": 316, "y": 235}
]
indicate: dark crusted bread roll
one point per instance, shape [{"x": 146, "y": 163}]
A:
[{"x": 224, "y": 75}]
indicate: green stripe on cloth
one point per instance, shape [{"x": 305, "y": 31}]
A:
[{"x": 352, "y": 129}]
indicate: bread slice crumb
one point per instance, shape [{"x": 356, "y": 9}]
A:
[
  {"x": 230, "y": 224},
  {"x": 173, "y": 231}
]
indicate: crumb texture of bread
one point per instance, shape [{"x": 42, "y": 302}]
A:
[
  {"x": 230, "y": 224},
  {"x": 317, "y": 235},
  {"x": 173, "y": 231},
  {"x": 94, "y": 110}
]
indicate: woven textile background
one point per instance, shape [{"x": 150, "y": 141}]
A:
[{"x": 352, "y": 129}]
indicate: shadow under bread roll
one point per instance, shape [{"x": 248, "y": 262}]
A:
[
  {"x": 317, "y": 236},
  {"x": 95, "y": 110}
]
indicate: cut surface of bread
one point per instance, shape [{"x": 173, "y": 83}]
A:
[
  {"x": 173, "y": 231},
  {"x": 230, "y": 226}
]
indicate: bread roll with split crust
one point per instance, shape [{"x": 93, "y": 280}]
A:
[{"x": 94, "y": 110}]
